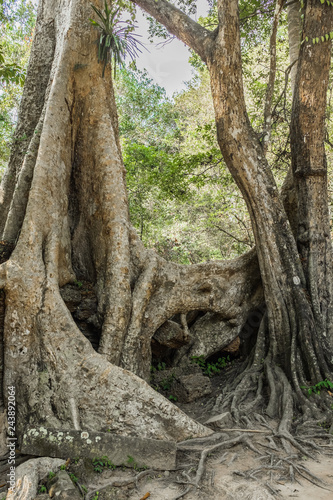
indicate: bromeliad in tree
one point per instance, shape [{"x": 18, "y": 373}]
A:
[{"x": 116, "y": 39}]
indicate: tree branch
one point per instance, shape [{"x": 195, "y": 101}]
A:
[
  {"x": 179, "y": 24},
  {"x": 271, "y": 80}
]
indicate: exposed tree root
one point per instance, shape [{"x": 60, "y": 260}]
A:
[
  {"x": 118, "y": 483},
  {"x": 249, "y": 475},
  {"x": 286, "y": 467},
  {"x": 282, "y": 436}
]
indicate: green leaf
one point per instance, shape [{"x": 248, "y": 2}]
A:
[
  {"x": 323, "y": 39},
  {"x": 317, "y": 40}
]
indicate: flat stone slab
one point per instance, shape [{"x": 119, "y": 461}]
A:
[
  {"x": 188, "y": 388},
  {"x": 42, "y": 441}
]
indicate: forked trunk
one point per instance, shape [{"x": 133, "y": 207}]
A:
[
  {"x": 68, "y": 220},
  {"x": 64, "y": 210}
]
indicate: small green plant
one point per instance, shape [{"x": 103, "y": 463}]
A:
[
  {"x": 73, "y": 477},
  {"x": 96, "y": 496},
  {"x": 173, "y": 398},
  {"x": 42, "y": 489},
  {"x": 317, "y": 388},
  {"x": 131, "y": 463},
  {"x": 85, "y": 489},
  {"x": 160, "y": 367},
  {"x": 115, "y": 40},
  {"x": 166, "y": 383},
  {"x": 211, "y": 369},
  {"x": 102, "y": 463},
  {"x": 63, "y": 467},
  {"x": 51, "y": 474},
  {"x": 79, "y": 284}
]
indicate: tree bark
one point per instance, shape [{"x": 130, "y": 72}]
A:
[
  {"x": 295, "y": 342},
  {"x": 310, "y": 167},
  {"x": 65, "y": 211},
  {"x": 294, "y": 38}
]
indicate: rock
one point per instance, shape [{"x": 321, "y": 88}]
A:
[
  {"x": 221, "y": 420},
  {"x": 87, "y": 307},
  {"x": 171, "y": 334},
  {"x": 210, "y": 334},
  {"x": 82, "y": 303},
  {"x": 42, "y": 496},
  {"x": 63, "y": 488},
  {"x": 28, "y": 476},
  {"x": 153, "y": 453},
  {"x": 160, "y": 376},
  {"x": 188, "y": 388},
  {"x": 71, "y": 296},
  {"x": 3, "y": 433},
  {"x": 233, "y": 347}
]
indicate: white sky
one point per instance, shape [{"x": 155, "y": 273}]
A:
[{"x": 166, "y": 64}]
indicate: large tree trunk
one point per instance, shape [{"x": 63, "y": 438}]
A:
[
  {"x": 290, "y": 315},
  {"x": 64, "y": 212},
  {"x": 64, "y": 208},
  {"x": 295, "y": 338}
]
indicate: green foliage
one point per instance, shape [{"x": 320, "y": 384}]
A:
[
  {"x": 166, "y": 383},
  {"x": 323, "y": 38},
  {"x": 10, "y": 72},
  {"x": 102, "y": 463},
  {"x": 17, "y": 19},
  {"x": 178, "y": 185},
  {"x": 63, "y": 467},
  {"x": 73, "y": 477},
  {"x": 115, "y": 40},
  {"x": 42, "y": 489},
  {"x": 160, "y": 367},
  {"x": 317, "y": 388},
  {"x": 51, "y": 474},
  {"x": 173, "y": 398},
  {"x": 96, "y": 496},
  {"x": 211, "y": 369}
]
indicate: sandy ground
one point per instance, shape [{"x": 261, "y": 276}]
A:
[{"x": 220, "y": 482}]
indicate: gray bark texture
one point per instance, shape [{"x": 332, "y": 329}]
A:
[{"x": 64, "y": 216}]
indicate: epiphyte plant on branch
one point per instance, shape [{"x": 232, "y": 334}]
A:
[{"x": 116, "y": 39}]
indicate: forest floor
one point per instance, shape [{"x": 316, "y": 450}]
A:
[
  {"x": 248, "y": 470},
  {"x": 227, "y": 473}
]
